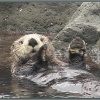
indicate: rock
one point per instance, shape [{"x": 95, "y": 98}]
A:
[
  {"x": 98, "y": 43},
  {"x": 41, "y": 16},
  {"x": 54, "y": 28},
  {"x": 85, "y": 23},
  {"x": 95, "y": 52}
]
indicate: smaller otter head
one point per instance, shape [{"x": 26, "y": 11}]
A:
[{"x": 77, "y": 48}]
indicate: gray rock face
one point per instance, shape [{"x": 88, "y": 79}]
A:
[
  {"x": 36, "y": 16},
  {"x": 96, "y": 52},
  {"x": 98, "y": 43},
  {"x": 84, "y": 23}
]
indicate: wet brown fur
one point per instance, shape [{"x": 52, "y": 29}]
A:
[
  {"x": 46, "y": 53},
  {"x": 78, "y": 46}
]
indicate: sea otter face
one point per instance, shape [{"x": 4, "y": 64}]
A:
[
  {"x": 77, "y": 46},
  {"x": 77, "y": 49},
  {"x": 27, "y": 46}
]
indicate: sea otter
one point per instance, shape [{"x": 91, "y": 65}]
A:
[
  {"x": 69, "y": 81},
  {"x": 35, "y": 48},
  {"x": 78, "y": 57}
]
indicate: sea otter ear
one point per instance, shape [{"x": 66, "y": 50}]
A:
[
  {"x": 12, "y": 46},
  {"x": 21, "y": 42},
  {"x": 42, "y": 39}
]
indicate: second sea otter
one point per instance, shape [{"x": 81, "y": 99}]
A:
[{"x": 78, "y": 57}]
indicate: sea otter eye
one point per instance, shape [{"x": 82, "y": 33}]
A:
[
  {"x": 21, "y": 42},
  {"x": 13, "y": 45},
  {"x": 41, "y": 39},
  {"x": 32, "y": 42}
]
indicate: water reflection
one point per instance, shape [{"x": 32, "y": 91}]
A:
[
  {"x": 5, "y": 83},
  {"x": 27, "y": 89}
]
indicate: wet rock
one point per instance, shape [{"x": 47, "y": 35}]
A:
[
  {"x": 85, "y": 23},
  {"x": 95, "y": 52},
  {"x": 41, "y": 16},
  {"x": 98, "y": 43},
  {"x": 54, "y": 28}
]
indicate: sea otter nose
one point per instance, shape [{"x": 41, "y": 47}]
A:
[{"x": 32, "y": 42}]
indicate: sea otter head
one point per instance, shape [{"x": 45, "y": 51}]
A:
[
  {"x": 77, "y": 48},
  {"x": 25, "y": 48}
]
